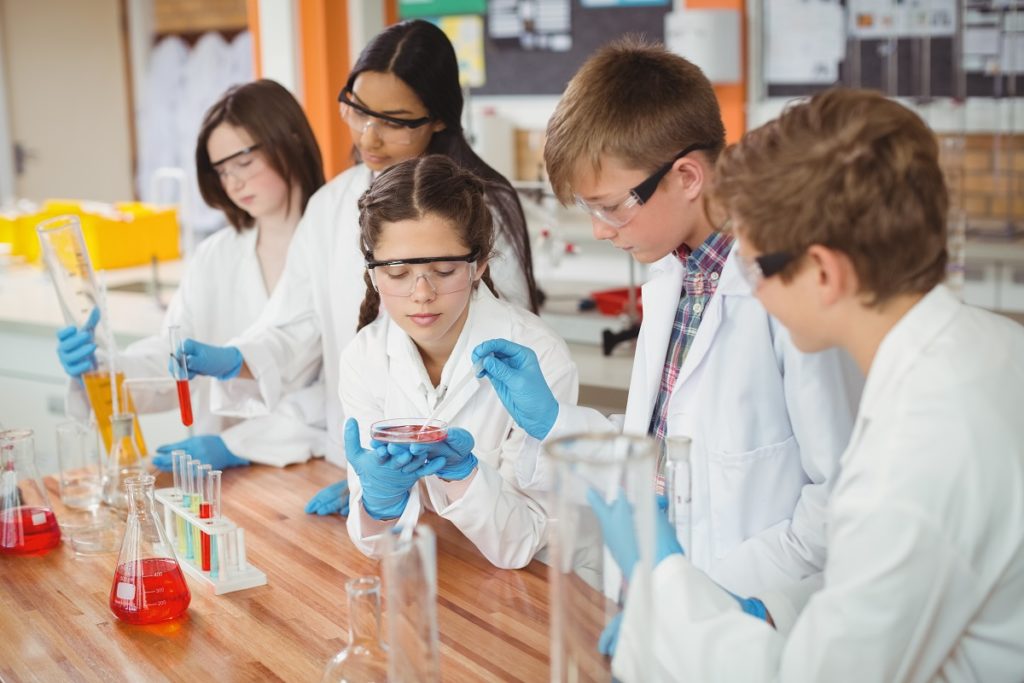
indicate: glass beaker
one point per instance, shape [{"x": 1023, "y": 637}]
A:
[
  {"x": 123, "y": 461},
  {"x": 678, "y": 488},
  {"x": 148, "y": 586},
  {"x": 27, "y": 523},
  {"x": 587, "y": 588},
  {"x": 410, "y": 583},
  {"x": 81, "y": 468},
  {"x": 365, "y": 658}
]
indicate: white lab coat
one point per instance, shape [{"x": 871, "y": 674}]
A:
[
  {"x": 382, "y": 377},
  {"x": 768, "y": 425},
  {"x": 158, "y": 111},
  {"x": 314, "y": 310},
  {"x": 222, "y": 292},
  {"x": 925, "y": 573}
]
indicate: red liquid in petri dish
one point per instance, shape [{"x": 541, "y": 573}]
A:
[
  {"x": 410, "y": 434},
  {"x": 28, "y": 531},
  {"x": 158, "y": 595},
  {"x": 185, "y": 402}
]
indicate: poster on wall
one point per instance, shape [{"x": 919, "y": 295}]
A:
[
  {"x": 591, "y": 4},
  {"x": 805, "y": 41},
  {"x": 901, "y": 18},
  {"x": 411, "y": 9},
  {"x": 467, "y": 36},
  {"x": 535, "y": 24}
]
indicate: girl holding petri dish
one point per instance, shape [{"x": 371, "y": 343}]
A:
[
  {"x": 259, "y": 163},
  {"x": 427, "y": 235}
]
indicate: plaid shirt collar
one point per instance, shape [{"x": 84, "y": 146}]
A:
[{"x": 703, "y": 265}]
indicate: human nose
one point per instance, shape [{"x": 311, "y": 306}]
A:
[
  {"x": 601, "y": 230},
  {"x": 369, "y": 134},
  {"x": 425, "y": 292}
]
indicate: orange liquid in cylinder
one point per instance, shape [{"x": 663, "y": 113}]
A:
[
  {"x": 97, "y": 388},
  {"x": 149, "y": 591},
  {"x": 28, "y": 531}
]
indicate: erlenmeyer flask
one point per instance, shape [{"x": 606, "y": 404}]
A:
[
  {"x": 365, "y": 658},
  {"x": 27, "y": 523},
  {"x": 123, "y": 461},
  {"x": 148, "y": 584}
]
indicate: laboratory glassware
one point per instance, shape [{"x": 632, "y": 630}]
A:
[
  {"x": 148, "y": 585},
  {"x": 179, "y": 369},
  {"x": 365, "y": 658},
  {"x": 123, "y": 461},
  {"x": 80, "y": 478},
  {"x": 409, "y": 430},
  {"x": 587, "y": 589},
  {"x": 410, "y": 585},
  {"x": 28, "y": 525},
  {"x": 678, "y": 487}
]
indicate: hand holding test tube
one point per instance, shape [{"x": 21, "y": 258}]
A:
[{"x": 179, "y": 369}]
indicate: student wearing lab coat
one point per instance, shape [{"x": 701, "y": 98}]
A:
[
  {"x": 768, "y": 423},
  {"x": 426, "y": 237},
  {"x": 924, "y": 579},
  {"x": 402, "y": 99},
  {"x": 258, "y": 162}
]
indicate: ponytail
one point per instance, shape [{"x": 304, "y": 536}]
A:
[{"x": 370, "y": 309}]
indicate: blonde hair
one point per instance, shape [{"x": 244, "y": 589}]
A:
[
  {"x": 850, "y": 170},
  {"x": 634, "y": 101}
]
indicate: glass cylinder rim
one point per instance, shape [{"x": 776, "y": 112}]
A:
[
  {"x": 15, "y": 434},
  {"x": 139, "y": 481},
  {"x": 555, "y": 448},
  {"x": 57, "y": 223}
]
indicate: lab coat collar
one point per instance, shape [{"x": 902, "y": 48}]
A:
[
  {"x": 905, "y": 344},
  {"x": 731, "y": 282}
]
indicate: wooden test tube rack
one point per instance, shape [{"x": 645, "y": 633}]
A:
[{"x": 234, "y": 573}]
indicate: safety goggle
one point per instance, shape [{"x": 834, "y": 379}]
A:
[
  {"x": 444, "y": 274},
  {"x": 242, "y": 165},
  {"x": 389, "y": 129},
  {"x": 760, "y": 268},
  {"x": 618, "y": 213}
]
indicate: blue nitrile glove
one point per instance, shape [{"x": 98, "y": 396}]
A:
[
  {"x": 221, "y": 362},
  {"x": 385, "y": 485},
  {"x": 516, "y": 376},
  {"x": 456, "y": 449},
  {"x": 209, "y": 449},
  {"x": 610, "y": 636},
  {"x": 330, "y": 500},
  {"x": 75, "y": 347},
  {"x": 751, "y": 606},
  {"x": 617, "y": 528}
]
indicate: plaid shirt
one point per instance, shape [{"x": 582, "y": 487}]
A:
[{"x": 702, "y": 269}]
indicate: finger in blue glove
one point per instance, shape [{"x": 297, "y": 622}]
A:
[
  {"x": 609, "y": 639},
  {"x": 329, "y": 500},
  {"x": 616, "y": 522},
  {"x": 517, "y": 378},
  {"x": 456, "y": 448},
  {"x": 220, "y": 362},
  {"x": 209, "y": 449},
  {"x": 76, "y": 348}
]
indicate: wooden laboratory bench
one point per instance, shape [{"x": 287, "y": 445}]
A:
[{"x": 55, "y": 624}]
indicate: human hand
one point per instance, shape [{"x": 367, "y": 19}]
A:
[
  {"x": 209, "y": 449},
  {"x": 220, "y": 362},
  {"x": 617, "y": 524},
  {"x": 330, "y": 500},
  {"x": 515, "y": 374},
  {"x": 456, "y": 449},
  {"x": 76, "y": 347}
]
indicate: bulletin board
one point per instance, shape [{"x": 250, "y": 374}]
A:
[{"x": 512, "y": 70}]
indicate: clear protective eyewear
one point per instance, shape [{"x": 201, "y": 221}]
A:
[
  {"x": 242, "y": 165},
  {"x": 618, "y": 214},
  {"x": 755, "y": 271},
  {"x": 444, "y": 274},
  {"x": 390, "y": 129}
]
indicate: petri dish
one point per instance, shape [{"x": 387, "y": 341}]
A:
[{"x": 409, "y": 430}]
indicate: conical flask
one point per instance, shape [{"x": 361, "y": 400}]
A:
[
  {"x": 27, "y": 523},
  {"x": 365, "y": 658},
  {"x": 148, "y": 584},
  {"x": 123, "y": 461}
]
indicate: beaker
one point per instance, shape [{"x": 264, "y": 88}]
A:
[
  {"x": 410, "y": 583},
  {"x": 678, "y": 487},
  {"x": 81, "y": 479},
  {"x": 123, "y": 461},
  {"x": 365, "y": 658},
  {"x": 587, "y": 589},
  {"x": 148, "y": 585},
  {"x": 27, "y": 523}
]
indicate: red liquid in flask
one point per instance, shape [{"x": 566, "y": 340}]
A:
[
  {"x": 28, "y": 531},
  {"x": 159, "y": 594},
  {"x": 185, "y": 402},
  {"x": 410, "y": 434}
]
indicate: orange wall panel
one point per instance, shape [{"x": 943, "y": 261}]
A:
[{"x": 732, "y": 98}]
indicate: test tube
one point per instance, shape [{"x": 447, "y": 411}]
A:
[
  {"x": 192, "y": 549},
  {"x": 176, "y": 456},
  {"x": 179, "y": 368},
  {"x": 213, "y": 494},
  {"x": 240, "y": 554},
  {"x": 198, "y": 497},
  {"x": 186, "y": 501}
]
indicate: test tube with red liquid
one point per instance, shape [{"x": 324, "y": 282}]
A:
[{"x": 179, "y": 368}]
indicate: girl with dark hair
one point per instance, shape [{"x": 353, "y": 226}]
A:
[
  {"x": 427, "y": 239},
  {"x": 401, "y": 101},
  {"x": 258, "y": 162}
]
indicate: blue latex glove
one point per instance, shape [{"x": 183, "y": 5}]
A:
[
  {"x": 75, "y": 347},
  {"x": 516, "y": 376},
  {"x": 456, "y": 449},
  {"x": 221, "y": 362},
  {"x": 609, "y": 639},
  {"x": 385, "y": 485},
  {"x": 751, "y": 606},
  {"x": 209, "y": 449},
  {"x": 617, "y": 528},
  {"x": 330, "y": 500}
]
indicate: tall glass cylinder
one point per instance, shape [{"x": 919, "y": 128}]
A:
[
  {"x": 587, "y": 588},
  {"x": 365, "y": 658},
  {"x": 678, "y": 487},
  {"x": 410, "y": 583}
]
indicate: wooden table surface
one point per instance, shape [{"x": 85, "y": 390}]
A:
[{"x": 56, "y": 625}]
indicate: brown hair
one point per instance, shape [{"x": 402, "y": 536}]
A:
[
  {"x": 634, "y": 101},
  {"x": 274, "y": 119},
  {"x": 850, "y": 170},
  {"x": 409, "y": 190}
]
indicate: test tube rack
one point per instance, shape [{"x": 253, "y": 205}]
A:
[{"x": 233, "y": 572}]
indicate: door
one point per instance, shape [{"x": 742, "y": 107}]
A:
[{"x": 67, "y": 98}]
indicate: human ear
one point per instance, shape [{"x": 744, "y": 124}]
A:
[
  {"x": 833, "y": 274},
  {"x": 690, "y": 175},
  {"x": 481, "y": 268}
]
